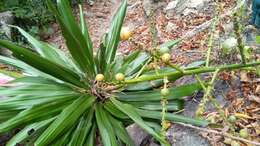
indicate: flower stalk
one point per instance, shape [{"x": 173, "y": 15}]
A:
[{"x": 191, "y": 72}]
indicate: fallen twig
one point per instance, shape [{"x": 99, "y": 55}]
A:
[{"x": 220, "y": 133}]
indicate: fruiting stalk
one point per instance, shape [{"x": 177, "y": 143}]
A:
[{"x": 191, "y": 72}]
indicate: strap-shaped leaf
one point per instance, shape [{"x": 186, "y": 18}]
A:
[
  {"x": 66, "y": 119},
  {"x": 84, "y": 126},
  {"x": 21, "y": 66},
  {"x": 132, "y": 113},
  {"x": 35, "y": 113},
  {"x": 91, "y": 137},
  {"x": 170, "y": 44},
  {"x": 42, "y": 48},
  {"x": 171, "y": 117},
  {"x": 113, "y": 36},
  {"x": 43, "y": 64},
  {"x": 27, "y": 131},
  {"x": 105, "y": 128},
  {"x": 84, "y": 28},
  {"x": 172, "y": 105},
  {"x": 120, "y": 131},
  {"x": 175, "y": 93},
  {"x": 76, "y": 42},
  {"x": 111, "y": 108}
]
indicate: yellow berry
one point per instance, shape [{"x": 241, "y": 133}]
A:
[
  {"x": 165, "y": 92},
  {"x": 234, "y": 143},
  {"x": 99, "y": 77},
  {"x": 227, "y": 140},
  {"x": 125, "y": 33},
  {"x": 164, "y": 50},
  {"x": 120, "y": 77},
  {"x": 166, "y": 57},
  {"x": 232, "y": 118},
  {"x": 243, "y": 133}
]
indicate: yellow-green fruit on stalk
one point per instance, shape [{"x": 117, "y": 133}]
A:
[
  {"x": 99, "y": 77},
  {"x": 166, "y": 57},
  {"x": 163, "y": 50},
  {"x": 232, "y": 118},
  {"x": 125, "y": 33},
  {"x": 165, "y": 92},
  {"x": 120, "y": 77},
  {"x": 243, "y": 133},
  {"x": 234, "y": 143}
]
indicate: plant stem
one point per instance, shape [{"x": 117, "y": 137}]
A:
[
  {"x": 164, "y": 110},
  {"x": 237, "y": 29},
  {"x": 201, "y": 108},
  {"x": 191, "y": 72},
  {"x": 213, "y": 29}
]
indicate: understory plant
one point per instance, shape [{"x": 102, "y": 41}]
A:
[{"x": 83, "y": 99}]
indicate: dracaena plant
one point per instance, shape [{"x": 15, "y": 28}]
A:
[{"x": 80, "y": 98}]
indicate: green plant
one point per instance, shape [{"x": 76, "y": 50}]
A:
[{"x": 59, "y": 102}]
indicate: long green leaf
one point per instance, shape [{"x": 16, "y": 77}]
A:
[
  {"x": 27, "y": 131},
  {"x": 82, "y": 130},
  {"x": 175, "y": 93},
  {"x": 76, "y": 42},
  {"x": 91, "y": 137},
  {"x": 67, "y": 118},
  {"x": 105, "y": 128},
  {"x": 172, "y": 105},
  {"x": 43, "y": 64},
  {"x": 171, "y": 117},
  {"x": 121, "y": 132},
  {"x": 35, "y": 113},
  {"x": 132, "y": 113},
  {"x": 114, "y": 32}
]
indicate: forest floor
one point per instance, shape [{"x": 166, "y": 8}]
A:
[{"x": 153, "y": 23}]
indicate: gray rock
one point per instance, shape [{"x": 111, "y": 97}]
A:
[
  {"x": 6, "y": 18},
  {"x": 183, "y": 136},
  {"x": 137, "y": 134},
  {"x": 185, "y": 7},
  {"x": 150, "y": 5}
]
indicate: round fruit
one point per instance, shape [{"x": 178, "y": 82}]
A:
[
  {"x": 227, "y": 140},
  {"x": 232, "y": 118},
  {"x": 99, "y": 77},
  {"x": 243, "y": 133},
  {"x": 164, "y": 50},
  {"x": 125, "y": 33},
  {"x": 165, "y": 92},
  {"x": 166, "y": 57},
  {"x": 234, "y": 143},
  {"x": 120, "y": 77},
  {"x": 228, "y": 45}
]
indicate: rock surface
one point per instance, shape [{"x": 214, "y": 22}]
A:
[
  {"x": 6, "y": 18},
  {"x": 185, "y": 7}
]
